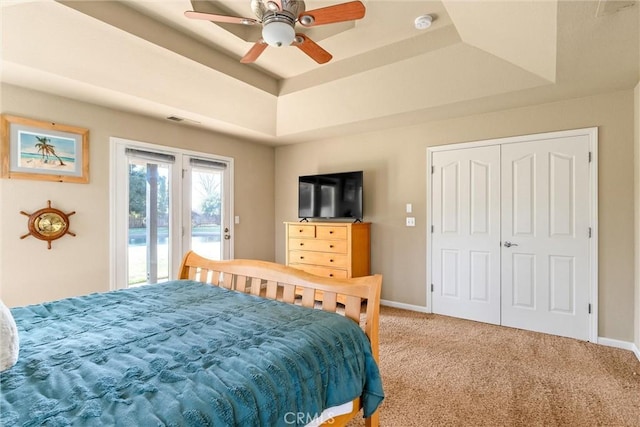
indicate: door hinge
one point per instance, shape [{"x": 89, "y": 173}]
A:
[
  {"x": 589, "y": 232},
  {"x": 432, "y": 228},
  {"x": 590, "y": 157},
  {"x": 183, "y": 171},
  {"x": 433, "y": 169},
  {"x": 432, "y": 287},
  {"x": 589, "y": 308}
]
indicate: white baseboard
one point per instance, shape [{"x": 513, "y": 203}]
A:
[
  {"x": 609, "y": 342},
  {"x": 404, "y": 306},
  {"x": 625, "y": 345}
]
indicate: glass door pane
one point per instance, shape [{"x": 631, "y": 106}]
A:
[
  {"x": 149, "y": 226},
  {"x": 166, "y": 202},
  {"x": 207, "y": 212}
]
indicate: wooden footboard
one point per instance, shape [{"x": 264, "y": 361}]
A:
[{"x": 279, "y": 282}]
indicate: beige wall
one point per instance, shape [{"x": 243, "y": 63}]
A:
[
  {"x": 394, "y": 162},
  {"x": 30, "y": 273}
]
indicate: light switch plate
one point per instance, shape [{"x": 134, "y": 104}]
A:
[
  {"x": 237, "y": 219},
  {"x": 409, "y": 207},
  {"x": 411, "y": 221}
]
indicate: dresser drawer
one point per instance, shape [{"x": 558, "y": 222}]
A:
[
  {"x": 319, "y": 258},
  {"x": 302, "y": 230},
  {"x": 333, "y": 246},
  {"x": 329, "y": 249},
  {"x": 331, "y": 232},
  {"x": 322, "y": 271}
]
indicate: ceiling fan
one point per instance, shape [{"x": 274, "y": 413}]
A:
[{"x": 278, "y": 19}]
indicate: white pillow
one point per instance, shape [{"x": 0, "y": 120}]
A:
[{"x": 9, "y": 341}]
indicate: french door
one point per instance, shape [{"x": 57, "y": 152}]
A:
[
  {"x": 511, "y": 238},
  {"x": 206, "y": 209},
  {"x": 165, "y": 202}
]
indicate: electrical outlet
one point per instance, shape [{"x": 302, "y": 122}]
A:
[
  {"x": 411, "y": 221},
  {"x": 237, "y": 219}
]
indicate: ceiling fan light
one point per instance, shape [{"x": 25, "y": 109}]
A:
[
  {"x": 307, "y": 20},
  {"x": 278, "y": 34}
]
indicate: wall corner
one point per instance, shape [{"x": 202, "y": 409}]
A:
[{"x": 636, "y": 120}]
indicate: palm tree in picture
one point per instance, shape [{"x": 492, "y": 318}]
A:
[{"x": 47, "y": 149}]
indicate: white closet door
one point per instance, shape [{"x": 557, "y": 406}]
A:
[
  {"x": 545, "y": 232},
  {"x": 466, "y": 234}
]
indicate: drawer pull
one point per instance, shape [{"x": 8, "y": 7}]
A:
[
  {"x": 330, "y": 274},
  {"x": 330, "y": 231},
  {"x": 300, "y": 230},
  {"x": 330, "y": 260},
  {"x": 331, "y": 246},
  {"x": 301, "y": 244}
]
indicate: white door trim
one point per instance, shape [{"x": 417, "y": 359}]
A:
[{"x": 592, "y": 134}]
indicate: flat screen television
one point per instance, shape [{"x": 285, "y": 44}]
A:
[{"x": 331, "y": 195}]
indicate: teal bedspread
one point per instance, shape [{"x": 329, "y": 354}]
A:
[{"x": 183, "y": 354}]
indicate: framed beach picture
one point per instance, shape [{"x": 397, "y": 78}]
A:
[{"x": 32, "y": 149}]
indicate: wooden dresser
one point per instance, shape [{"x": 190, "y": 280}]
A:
[{"x": 331, "y": 249}]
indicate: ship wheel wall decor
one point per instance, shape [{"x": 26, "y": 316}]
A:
[{"x": 48, "y": 224}]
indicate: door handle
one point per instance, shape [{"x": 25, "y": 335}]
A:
[{"x": 508, "y": 244}]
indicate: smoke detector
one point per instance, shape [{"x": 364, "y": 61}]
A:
[{"x": 423, "y": 22}]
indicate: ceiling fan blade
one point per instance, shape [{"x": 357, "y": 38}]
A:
[
  {"x": 255, "y": 51},
  {"x": 220, "y": 18},
  {"x": 312, "y": 49},
  {"x": 332, "y": 14}
]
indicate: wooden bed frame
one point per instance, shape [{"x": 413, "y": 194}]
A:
[{"x": 279, "y": 282}]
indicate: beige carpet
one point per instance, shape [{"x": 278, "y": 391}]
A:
[{"x": 442, "y": 371}]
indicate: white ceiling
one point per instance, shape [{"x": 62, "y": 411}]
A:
[{"x": 478, "y": 56}]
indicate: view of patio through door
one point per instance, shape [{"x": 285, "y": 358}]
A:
[
  {"x": 165, "y": 204},
  {"x": 205, "y": 183},
  {"x": 148, "y": 231}
]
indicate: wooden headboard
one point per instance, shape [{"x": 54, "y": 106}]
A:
[{"x": 282, "y": 283}]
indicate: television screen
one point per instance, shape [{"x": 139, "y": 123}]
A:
[{"x": 335, "y": 195}]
